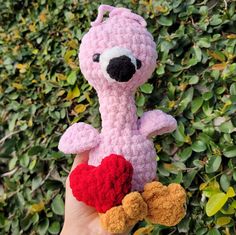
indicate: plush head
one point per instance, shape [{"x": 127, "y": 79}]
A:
[{"x": 119, "y": 52}]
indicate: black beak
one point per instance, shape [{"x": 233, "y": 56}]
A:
[{"x": 121, "y": 69}]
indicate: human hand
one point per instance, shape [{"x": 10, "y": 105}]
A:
[{"x": 80, "y": 219}]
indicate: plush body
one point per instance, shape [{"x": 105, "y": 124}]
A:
[{"x": 122, "y": 135}]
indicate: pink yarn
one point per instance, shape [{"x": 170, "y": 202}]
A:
[
  {"x": 101, "y": 11},
  {"x": 78, "y": 138},
  {"x": 122, "y": 133}
]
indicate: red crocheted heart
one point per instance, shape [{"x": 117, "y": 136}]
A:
[{"x": 104, "y": 186}]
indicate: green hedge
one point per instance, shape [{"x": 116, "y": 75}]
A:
[{"x": 42, "y": 91}]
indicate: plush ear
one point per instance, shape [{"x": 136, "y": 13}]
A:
[{"x": 156, "y": 122}]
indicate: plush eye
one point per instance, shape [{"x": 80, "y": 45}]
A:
[
  {"x": 96, "y": 57},
  {"x": 139, "y": 63}
]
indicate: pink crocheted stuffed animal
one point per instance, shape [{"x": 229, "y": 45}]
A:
[{"x": 116, "y": 56}]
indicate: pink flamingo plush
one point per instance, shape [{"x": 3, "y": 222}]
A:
[
  {"x": 116, "y": 56},
  {"x": 124, "y": 34}
]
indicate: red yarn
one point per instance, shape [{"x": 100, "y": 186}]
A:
[{"x": 104, "y": 186}]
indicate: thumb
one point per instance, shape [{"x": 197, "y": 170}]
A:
[{"x": 80, "y": 158}]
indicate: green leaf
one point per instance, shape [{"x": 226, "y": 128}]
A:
[
  {"x": 230, "y": 151},
  {"x": 215, "y": 203},
  {"x": 213, "y": 231},
  {"x": 160, "y": 69},
  {"x": 230, "y": 192},
  {"x": 228, "y": 211},
  {"x": 32, "y": 164},
  {"x": 220, "y": 90},
  {"x": 54, "y": 227},
  {"x": 207, "y": 96},
  {"x": 26, "y": 222},
  {"x": 227, "y": 127},
  {"x": 224, "y": 182},
  {"x": 71, "y": 79},
  {"x": 234, "y": 204},
  {"x": 186, "y": 153},
  {"x": 234, "y": 175},
  {"x": 35, "y": 150},
  {"x": 215, "y": 20},
  {"x": 203, "y": 10},
  {"x": 176, "y": 3},
  {"x": 204, "y": 42},
  {"x": 196, "y": 104},
  {"x": 221, "y": 221},
  {"x": 183, "y": 226},
  {"x": 166, "y": 46},
  {"x": 36, "y": 182},
  {"x": 147, "y": 88},
  {"x": 213, "y": 164},
  {"x": 24, "y": 160},
  {"x": 43, "y": 227},
  {"x": 179, "y": 133},
  {"x": 178, "y": 179},
  {"x": 166, "y": 21},
  {"x": 188, "y": 178},
  {"x": 185, "y": 100},
  {"x": 233, "y": 89},
  {"x": 12, "y": 121},
  {"x": 210, "y": 189},
  {"x": 193, "y": 80},
  {"x": 140, "y": 111},
  {"x": 201, "y": 231},
  {"x": 140, "y": 100},
  {"x": 198, "y": 53},
  {"x": 198, "y": 146},
  {"x": 12, "y": 163},
  {"x": 58, "y": 205},
  {"x": 207, "y": 108}
]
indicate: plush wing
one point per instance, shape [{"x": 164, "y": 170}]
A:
[
  {"x": 156, "y": 122},
  {"x": 79, "y": 138}
]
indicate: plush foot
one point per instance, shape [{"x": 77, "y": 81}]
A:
[
  {"x": 158, "y": 203},
  {"x": 121, "y": 218},
  {"x": 114, "y": 220},
  {"x": 165, "y": 203}
]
